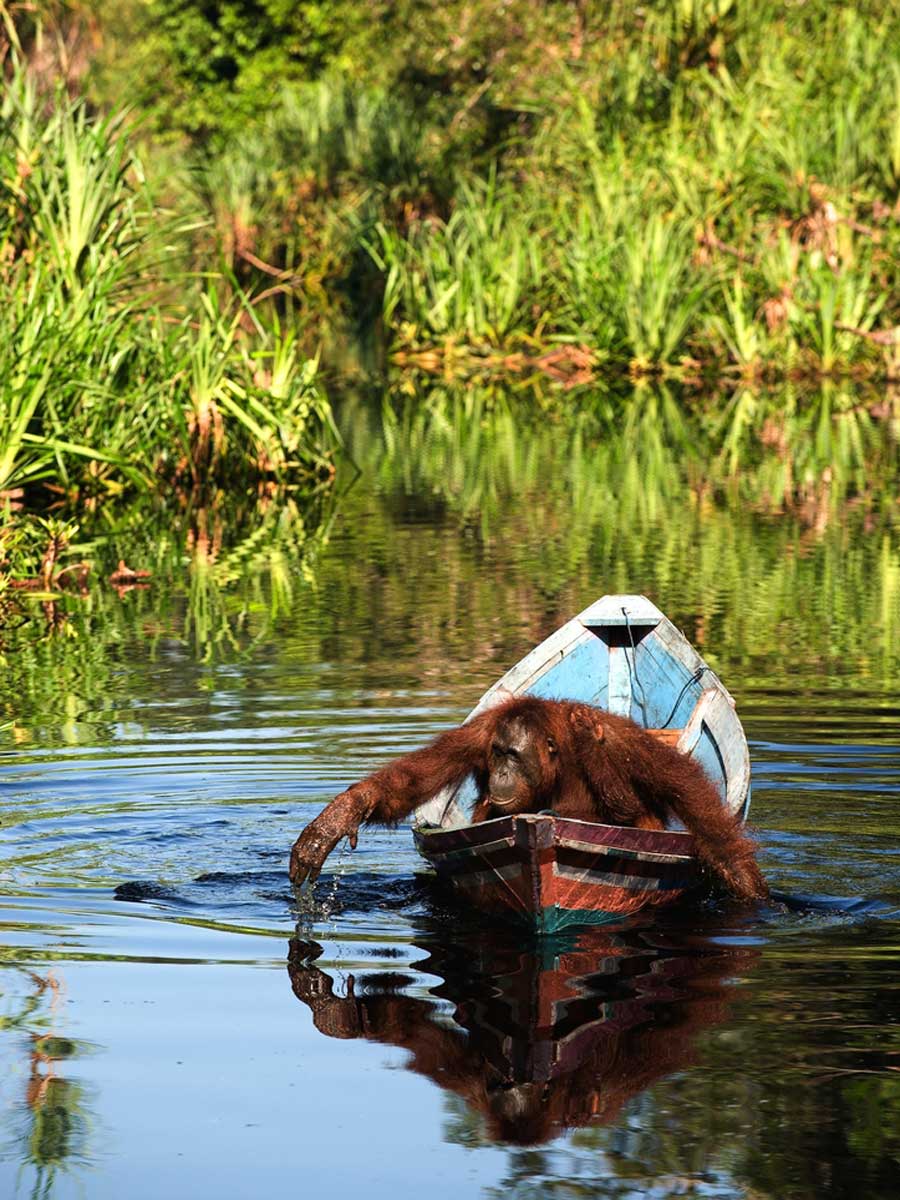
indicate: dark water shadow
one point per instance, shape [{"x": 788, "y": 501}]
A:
[
  {"x": 786, "y": 908},
  {"x": 417, "y": 895},
  {"x": 218, "y": 893}
]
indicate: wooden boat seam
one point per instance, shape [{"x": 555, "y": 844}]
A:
[
  {"x": 481, "y": 847},
  {"x": 624, "y": 852}
]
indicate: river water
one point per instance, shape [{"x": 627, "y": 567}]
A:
[{"x": 173, "y": 1021}]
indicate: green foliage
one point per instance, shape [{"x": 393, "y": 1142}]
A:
[
  {"x": 223, "y": 63},
  {"x": 473, "y": 277},
  {"x": 659, "y": 296},
  {"x": 293, "y": 201},
  {"x": 510, "y": 174},
  {"x": 671, "y": 189},
  {"x": 104, "y": 386}
]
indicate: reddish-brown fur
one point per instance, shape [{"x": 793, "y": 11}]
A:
[{"x": 588, "y": 764}]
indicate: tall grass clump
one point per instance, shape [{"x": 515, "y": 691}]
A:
[
  {"x": 720, "y": 193},
  {"x": 660, "y": 292},
  {"x": 478, "y": 277},
  {"x": 295, "y": 198},
  {"x": 105, "y": 384}
]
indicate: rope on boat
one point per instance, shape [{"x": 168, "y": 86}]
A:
[
  {"x": 633, "y": 665},
  {"x": 695, "y": 678}
]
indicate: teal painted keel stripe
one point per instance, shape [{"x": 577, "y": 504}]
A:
[{"x": 553, "y": 919}]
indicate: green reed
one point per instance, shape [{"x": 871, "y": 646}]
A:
[
  {"x": 107, "y": 384},
  {"x": 743, "y": 221}
]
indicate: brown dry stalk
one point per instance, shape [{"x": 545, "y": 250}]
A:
[
  {"x": 880, "y": 337},
  {"x": 261, "y": 265},
  {"x": 712, "y": 242}
]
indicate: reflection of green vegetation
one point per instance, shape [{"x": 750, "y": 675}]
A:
[
  {"x": 58, "y": 1127},
  {"x": 784, "y": 451},
  {"x": 50, "y": 1122},
  {"x": 216, "y": 589},
  {"x": 530, "y": 512},
  {"x": 239, "y": 586},
  {"x": 874, "y": 1114},
  {"x": 637, "y": 495}
]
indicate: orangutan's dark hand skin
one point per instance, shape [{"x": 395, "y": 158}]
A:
[{"x": 340, "y": 819}]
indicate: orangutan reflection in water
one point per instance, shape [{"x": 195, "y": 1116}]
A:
[{"x": 547, "y": 1038}]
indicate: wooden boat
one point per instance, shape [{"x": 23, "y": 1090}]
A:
[{"x": 623, "y": 655}]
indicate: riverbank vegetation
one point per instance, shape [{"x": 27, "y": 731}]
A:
[
  {"x": 123, "y": 369},
  {"x": 696, "y": 189}
]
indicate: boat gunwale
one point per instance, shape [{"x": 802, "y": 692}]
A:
[{"x": 483, "y": 836}]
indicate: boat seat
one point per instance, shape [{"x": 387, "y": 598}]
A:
[{"x": 669, "y": 736}]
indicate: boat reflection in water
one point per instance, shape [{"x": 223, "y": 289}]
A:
[{"x": 554, "y": 1036}]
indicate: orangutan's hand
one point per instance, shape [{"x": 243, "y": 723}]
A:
[
  {"x": 744, "y": 880},
  {"x": 340, "y": 819}
]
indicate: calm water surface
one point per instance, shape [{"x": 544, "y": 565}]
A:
[{"x": 172, "y": 1022}]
